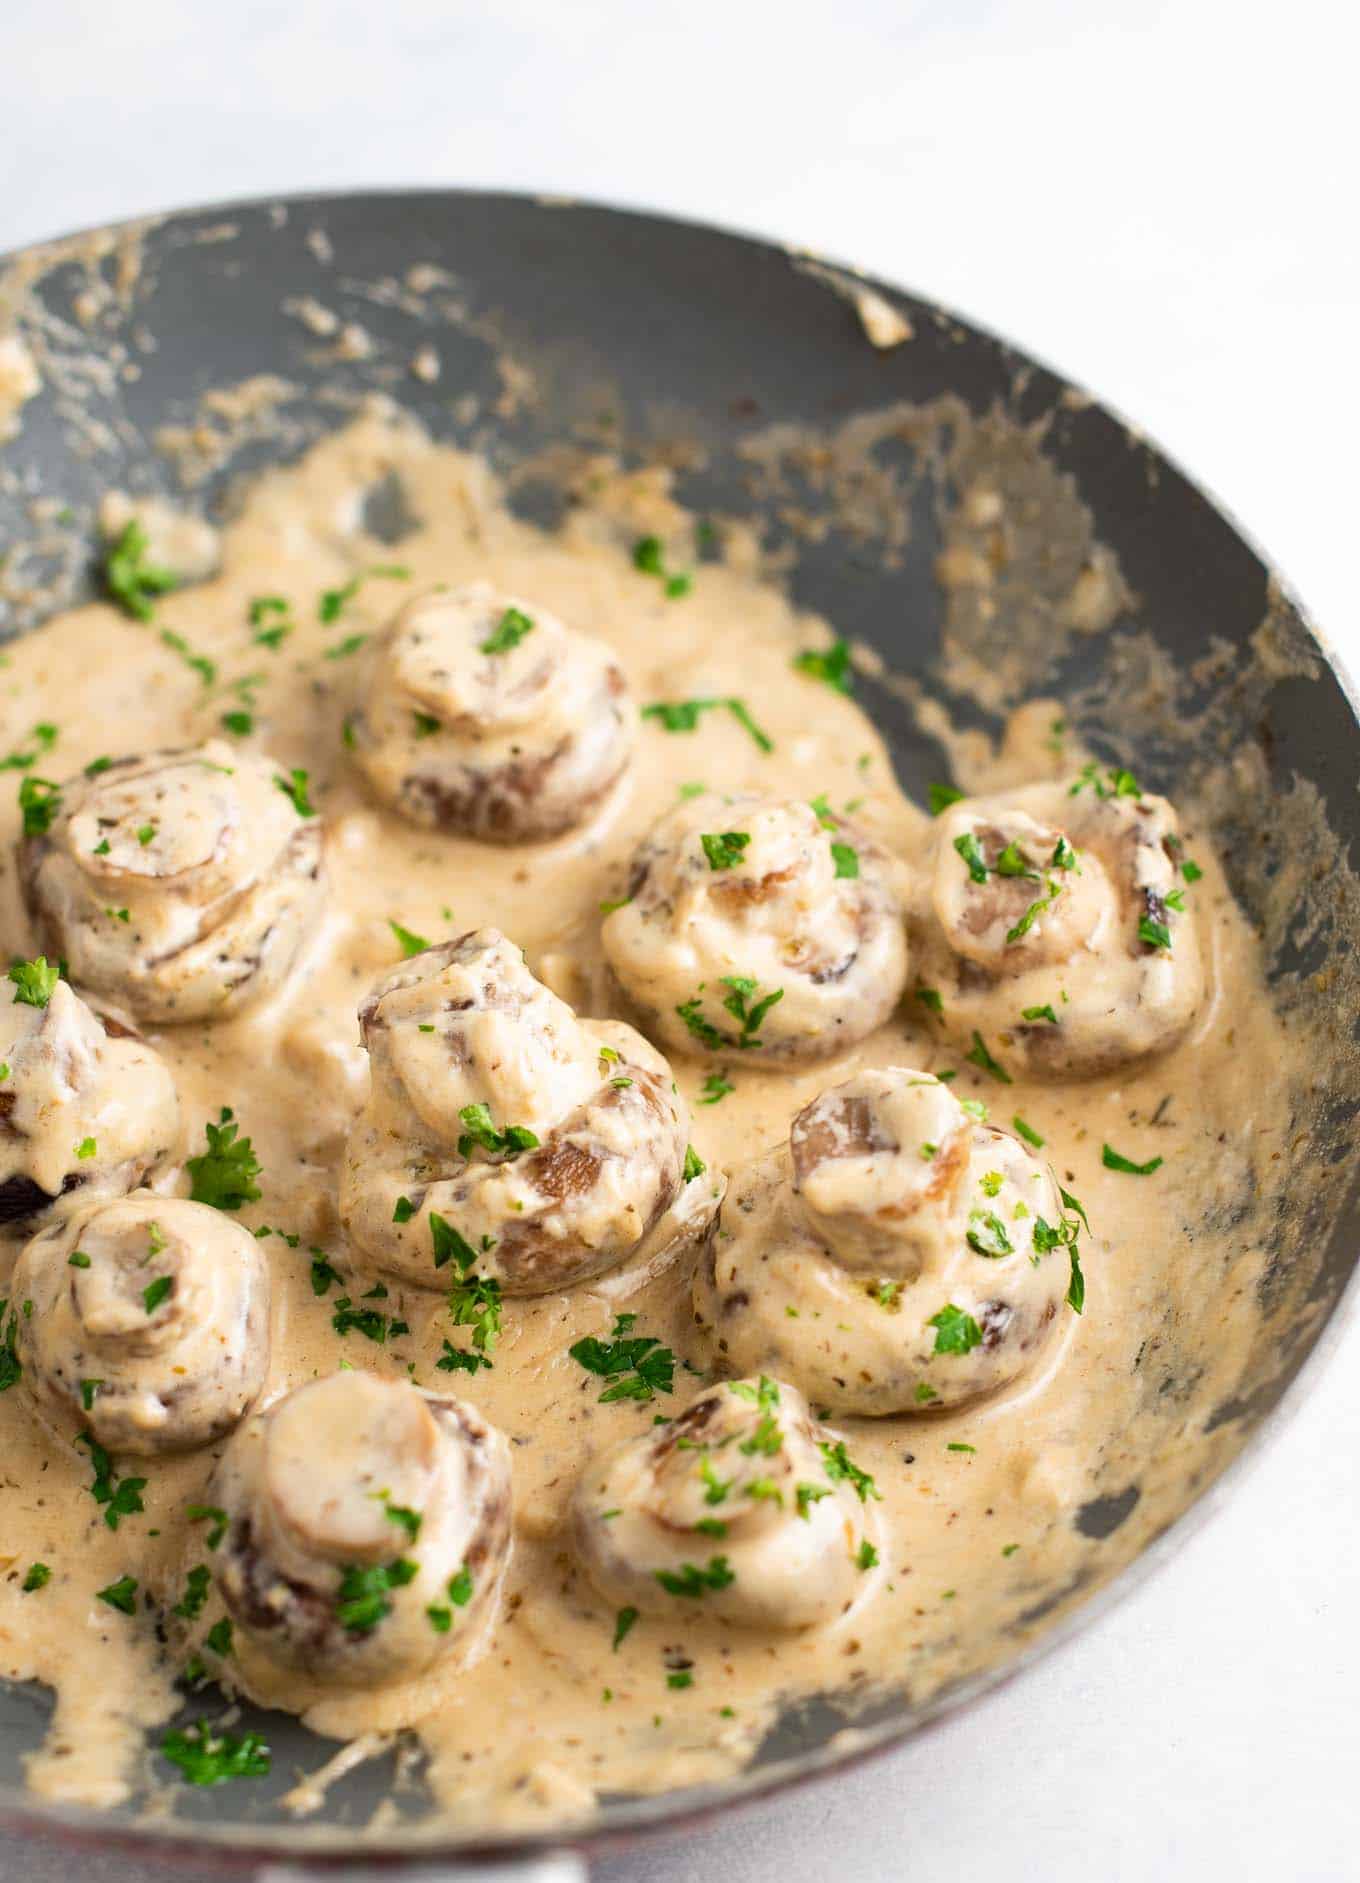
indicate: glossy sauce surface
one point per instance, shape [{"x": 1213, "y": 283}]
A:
[{"x": 978, "y": 1511}]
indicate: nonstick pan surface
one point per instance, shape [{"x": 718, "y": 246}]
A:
[{"x": 659, "y": 339}]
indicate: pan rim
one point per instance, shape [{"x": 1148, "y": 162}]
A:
[{"x": 335, "y": 1848}]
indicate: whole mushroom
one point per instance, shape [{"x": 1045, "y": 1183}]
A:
[
  {"x": 759, "y": 926},
  {"x": 743, "y": 1507},
  {"x": 181, "y": 885},
  {"x": 502, "y": 1130},
  {"x": 480, "y": 713},
  {"x": 148, "y": 1326},
  {"x": 367, "y": 1527},
  {"x": 86, "y": 1108},
  {"x": 899, "y": 1255},
  {"x": 1057, "y": 923}
]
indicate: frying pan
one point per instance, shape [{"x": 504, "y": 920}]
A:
[{"x": 660, "y": 339}]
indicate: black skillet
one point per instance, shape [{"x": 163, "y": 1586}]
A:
[{"x": 650, "y": 335}]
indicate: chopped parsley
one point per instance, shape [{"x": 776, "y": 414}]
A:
[
  {"x": 831, "y": 666},
  {"x": 509, "y": 631},
  {"x": 195, "y": 1596},
  {"x": 459, "y": 1589},
  {"x": 461, "y": 1360},
  {"x": 867, "y": 1557},
  {"x": 970, "y": 850},
  {"x": 978, "y": 1055},
  {"x": 930, "y": 998},
  {"x": 34, "y": 981},
  {"x": 1040, "y": 1013},
  {"x": 624, "y": 1622},
  {"x": 155, "y": 1292},
  {"x": 1191, "y": 871},
  {"x": 45, "y": 736},
  {"x": 741, "y": 1004},
  {"x": 343, "y": 649},
  {"x": 1027, "y": 1132},
  {"x": 716, "y": 1087},
  {"x": 1112, "y": 1160},
  {"x": 1153, "y": 933},
  {"x": 130, "y": 579},
  {"x": 649, "y": 559},
  {"x": 941, "y": 797},
  {"x": 1122, "y": 783},
  {"x": 955, "y": 1331},
  {"x": 410, "y": 944},
  {"x": 807, "y": 1495},
  {"x": 987, "y": 1236},
  {"x": 370, "y": 1322},
  {"x": 692, "y": 1581},
  {"x": 474, "y": 1300},
  {"x": 450, "y": 1245},
  {"x": 637, "y": 1364},
  {"x": 480, "y": 1129},
  {"x": 121, "y": 1595},
  {"x": 323, "y": 1276},
  {"x": 197, "y": 663},
  {"x": 694, "y": 1164},
  {"x": 333, "y": 601},
  {"x": 40, "y": 802},
  {"x": 1013, "y": 862},
  {"x": 209, "y": 1513},
  {"x": 846, "y": 859},
  {"x": 683, "y": 716},
  {"x": 1033, "y": 912},
  {"x": 119, "y": 1497},
  {"x": 294, "y": 788},
  {"x": 410, "y": 1520},
  {"x": 365, "y": 1589},
  {"x": 224, "y": 1175},
  {"x": 840, "y": 1468},
  {"x": 38, "y": 1577},
  {"x": 11, "y": 1372},
  {"x": 209, "y": 1758},
  {"x": 723, "y": 849}
]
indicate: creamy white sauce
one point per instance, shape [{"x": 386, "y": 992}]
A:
[{"x": 977, "y": 1508}]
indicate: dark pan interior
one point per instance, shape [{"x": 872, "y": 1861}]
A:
[{"x": 660, "y": 337}]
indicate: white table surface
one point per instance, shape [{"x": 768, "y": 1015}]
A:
[{"x": 1159, "y": 198}]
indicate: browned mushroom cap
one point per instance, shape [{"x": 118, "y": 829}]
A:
[
  {"x": 901, "y": 1256},
  {"x": 759, "y": 926},
  {"x": 368, "y": 1525},
  {"x": 742, "y": 1508},
  {"x": 481, "y": 713},
  {"x": 86, "y": 1108},
  {"x": 1054, "y": 922},
  {"x": 502, "y": 1130},
  {"x": 180, "y": 884},
  {"x": 149, "y": 1326}
]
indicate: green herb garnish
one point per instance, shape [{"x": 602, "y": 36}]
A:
[
  {"x": 1112, "y": 1160},
  {"x": 224, "y": 1174}
]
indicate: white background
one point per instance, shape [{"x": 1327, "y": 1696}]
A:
[{"x": 1160, "y": 199}]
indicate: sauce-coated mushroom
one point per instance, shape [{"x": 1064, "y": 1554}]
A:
[
  {"x": 481, "y": 713},
  {"x": 86, "y": 1108},
  {"x": 900, "y": 1255},
  {"x": 743, "y": 1506},
  {"x": 765, "y": 927},
  {"x": 181, "y": 885},
  {"x": 367, "y": 1528},
  {"x": 148, "y": 1325},
  {"x": 504, "y": 1129},
  {"x": 1056, "y": 923}
]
